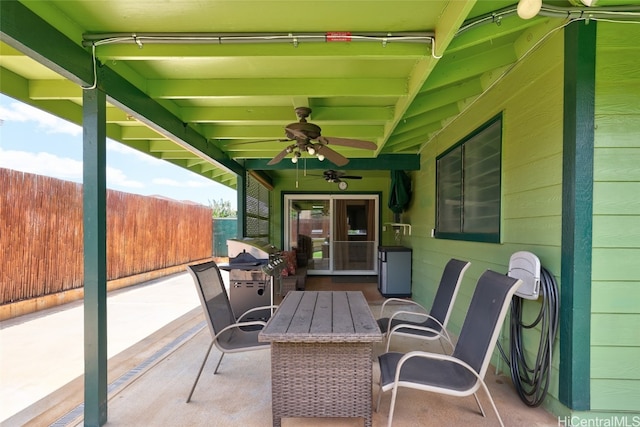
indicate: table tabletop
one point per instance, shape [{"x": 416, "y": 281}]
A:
[{"x": 322, "y": 316}]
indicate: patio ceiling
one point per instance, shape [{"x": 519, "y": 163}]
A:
[{"x": 199, "y": 101}]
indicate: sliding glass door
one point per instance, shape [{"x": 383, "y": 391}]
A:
[{"x": 333, "y": 233}]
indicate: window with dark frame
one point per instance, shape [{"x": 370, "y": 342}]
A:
[
  {"x": 257, "y": 209},
  {"x": 468, "y": 185}
]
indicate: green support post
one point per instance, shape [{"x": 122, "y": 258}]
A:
[
  {"x": 95, "y": 257},
  {"x": 577, "y": 215}
]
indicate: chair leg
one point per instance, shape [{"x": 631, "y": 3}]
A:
[
  {"x": 393, "y": 404},
  {"x": 475, "y": 396},
  {"x": 200, "y": 372},
  {"x": 495, "y": 409},
  {"x": 379, "y": 397},
  {"x": 218, "y": 365}
]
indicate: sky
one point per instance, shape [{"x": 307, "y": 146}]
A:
[{"x": 34, "y": 141}]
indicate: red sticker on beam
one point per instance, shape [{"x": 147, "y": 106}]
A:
[{"x": 338, "y": 36}]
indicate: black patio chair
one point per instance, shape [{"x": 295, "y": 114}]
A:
[
  {"x": 461, "y": 373},
  {"x": 432, "y": 325},
  {"x": 228, "y": 335}
]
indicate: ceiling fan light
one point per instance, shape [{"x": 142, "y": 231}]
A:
[
  {"x": 311, "y": 150},
  {"x": 320, "y": 157},
  {"x": 527, "y": 9},
  {"x": 294, "y": 159}
]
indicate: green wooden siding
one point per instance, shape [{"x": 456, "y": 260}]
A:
[
  {"x": 615, "y": 320},
  {"x": 531, "y": 99}
]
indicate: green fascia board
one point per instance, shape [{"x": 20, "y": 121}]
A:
[
  {"x": 407, "y": 162},
  {"x": 33, "y": 36}
]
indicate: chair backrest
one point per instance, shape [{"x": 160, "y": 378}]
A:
[
  {"x": 448, "y": 290},
  {"x": 482, "y": 324},
  {"x": 213, "y": 296}
]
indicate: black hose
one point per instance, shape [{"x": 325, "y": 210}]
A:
[{"x": 531, "y": 381}]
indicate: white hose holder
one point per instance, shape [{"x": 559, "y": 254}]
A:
[{"x": 526, "y": 266}]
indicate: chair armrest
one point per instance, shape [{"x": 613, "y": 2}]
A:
[
  {"x": 437, "y": 356},
  {"x": 264, "y": 307},
  {"x": 239, "y": 325},
  {"x": 444, "y": 335},
  {"x": 404, "y": 301}
]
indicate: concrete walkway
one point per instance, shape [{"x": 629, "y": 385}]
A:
[{"x": 41, "y": 352}]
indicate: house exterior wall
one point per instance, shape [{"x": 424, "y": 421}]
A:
[
  {"x": 530, "y": 97},
  {"x": 615, "y": 306}
]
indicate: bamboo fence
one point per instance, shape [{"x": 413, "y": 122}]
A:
[{"x": 41, "y": 235}]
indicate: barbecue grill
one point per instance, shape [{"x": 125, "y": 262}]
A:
[{"x": 252, "y": 266}]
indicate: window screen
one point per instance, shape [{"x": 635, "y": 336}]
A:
[
  {"x": 468, "y": 186},
  {"x": 257, "y": 209}
]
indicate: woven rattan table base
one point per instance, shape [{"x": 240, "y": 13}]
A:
[{"x": 321, "y": 380}]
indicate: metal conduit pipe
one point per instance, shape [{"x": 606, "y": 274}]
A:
[
  {"x": 622, "y": 13},
  {"x": 239, "y": 38}
]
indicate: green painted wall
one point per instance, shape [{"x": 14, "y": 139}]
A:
[
  {"x": 530, "y": 96},
  {"x": 615, "y": 318},
  {"x": 531, "y": 99}
]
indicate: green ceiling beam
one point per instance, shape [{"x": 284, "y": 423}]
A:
[
  {"x": 164, "y": 145},
  {"x": 191, "y": 163},
  {"x": 382, "y": 162},
  {"x": 453, "y": 70},
  {"x": 277, "y": 131},
  {"x": 448, "y": 24},
  {"x": 283, "y": 115},
  {"x": 175, "y": 155},
  {"x": 13, "y": 85},
  {"x": 115, "y": 115},
  {"x": 236, "y": 114},
  {"x": 150, "y": 52},
  {"x": 433, "y": 99},
  {"x": 55, "y": 89},
  {"x": 489, "y": 33},
  {"x": 140, "y": 132},
  {"x": 211, "y": 88},
  {"x": 418, "y": 122}
]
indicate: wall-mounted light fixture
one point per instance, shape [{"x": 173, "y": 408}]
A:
[{"x": 527, "y": 9}]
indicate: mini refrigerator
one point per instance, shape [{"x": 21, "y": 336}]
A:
[{"x": 394, "y": 271}]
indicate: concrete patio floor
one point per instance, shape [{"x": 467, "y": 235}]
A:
[{"x": 150, "y": 381}]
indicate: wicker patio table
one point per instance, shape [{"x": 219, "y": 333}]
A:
[{"x": 321, "y": 348}]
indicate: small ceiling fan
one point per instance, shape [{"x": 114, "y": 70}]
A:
[
  {"x": 338, "y": 176},
  {"x": 303, "y": 134}
]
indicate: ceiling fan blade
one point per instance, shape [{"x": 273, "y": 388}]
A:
[
  {"x": 333, "y": 156},
  {"x": 350, "y": 177},
  {"x": 281, "y": 155},
  {"x": 346, "y": 142}
]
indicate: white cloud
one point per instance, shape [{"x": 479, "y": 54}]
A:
[
  {"x": 115, "y": 177},
  {"x": 42, "y": 164},
  {"x": 59, "y": 167},
  {"x": 18, "y": 112},
  {"x": 118, "y": 147}
]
